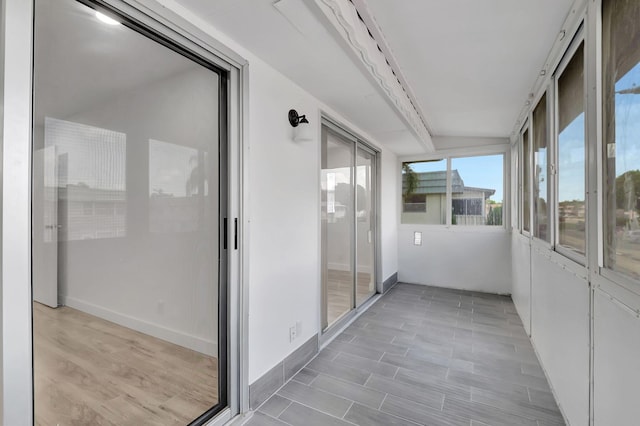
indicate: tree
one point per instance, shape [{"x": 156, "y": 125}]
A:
[
  {"x": 628, "y": 190},
  {"x": 409, "y": 180},
  {"x": 495, "y": 216}
]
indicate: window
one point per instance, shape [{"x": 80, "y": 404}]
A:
[
  {"x": 476, "y": 190},
  {"x": 526, "y": 182},
  {"x": 415, "y": 203},
  {"x": 475, "y": 187},
  {"x": 540, "y": 174},
  {"x": 621, "y": 138},
  {"x": 424, "y": 192},
  {"x": 571, "y": 211}
]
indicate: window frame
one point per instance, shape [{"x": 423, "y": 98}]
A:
[
  {"x": 525, "y": 157},
  {"x": 568, "y": 55},
  {"x": 546, "y": 90},
  {"x": 616, "y": 283},
  {"x": 448, "y": 156}
]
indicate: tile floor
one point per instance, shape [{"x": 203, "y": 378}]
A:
[{"x": 421, "y": 356}]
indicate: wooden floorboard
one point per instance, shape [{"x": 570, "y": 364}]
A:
[{"x": 88, "y": 371}]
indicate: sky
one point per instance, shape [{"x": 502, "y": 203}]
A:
[{"x": 628, "y": 123}]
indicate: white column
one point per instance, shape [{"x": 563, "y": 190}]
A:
[{"x": 16, "y": 55}]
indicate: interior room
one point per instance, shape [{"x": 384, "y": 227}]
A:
[{"x": 319, "y": 212}]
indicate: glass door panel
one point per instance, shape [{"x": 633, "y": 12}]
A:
[
  {"x": 126, "y": 151},
  {"x": 365, "y": 225},
  {"x": 337, "y": 226}
]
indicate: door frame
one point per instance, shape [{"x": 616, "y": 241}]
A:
[
  {"x": 326, "y": 335},
  {"x": 16, "y": 92}
]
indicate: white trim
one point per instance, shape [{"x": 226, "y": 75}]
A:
[
  {"x": 223, "y": 418},
  {"x": 457, "y": 153},
  {"x": 343, "y": 16},
  {"x": 187, "y": 33},
  {"x": 17, "y": 374},
  {"x": 569, "y": 27}
]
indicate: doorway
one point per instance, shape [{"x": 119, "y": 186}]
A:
[
  {"x": 348, "y": 224},
  {"x": 130, "y": 287}
]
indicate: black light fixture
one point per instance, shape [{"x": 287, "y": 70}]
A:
[
  {"x": 295, "y": 119},
  {"x": 301, "y": 127}
]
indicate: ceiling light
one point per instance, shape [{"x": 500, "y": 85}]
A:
[{"x": 107, "y": 20}]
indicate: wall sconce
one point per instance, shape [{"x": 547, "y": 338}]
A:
[{"x": 301, "y": 128}]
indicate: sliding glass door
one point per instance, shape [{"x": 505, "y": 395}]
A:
[
  {"x": 348, "y": 178},
  {"x": 365, "y": 224},
  {"x": 129, "y": 309}
]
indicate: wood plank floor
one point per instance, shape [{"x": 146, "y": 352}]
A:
[
  {"x": 339, "y": 292},
  {"x": 421, "y": 356},
  {"x": 88, "y": 371}
]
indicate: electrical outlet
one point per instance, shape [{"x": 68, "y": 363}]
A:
[{"x": 292, "y": 333}]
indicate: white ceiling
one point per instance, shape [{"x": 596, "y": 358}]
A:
[
  {"x": 470, "y": 63},
  {"x": 80, "y": 61}
]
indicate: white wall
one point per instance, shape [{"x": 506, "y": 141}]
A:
[
  {"x": 521, "y": 277},
  {"x": 616, "y": 361},
  {"x": 389, "y": 218},
  {"x": 560, "y": 329},
  {"x": 284, "y": 219},
  {"x": 284, "y": 190},
  {"x": 282, "y": 215},
  {"x": 157, "y": 282},
  {"x": 468, "y": 258}
]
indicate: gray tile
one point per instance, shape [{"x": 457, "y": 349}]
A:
[
  {"x": 381, "y": 319},
  {"x": 445, "y": 361},
  {"x": 327, "y": 354},
  {"x": 548, "y": 423},
  {"x": 436, "y": 348},
  {"x": 420, "y": 413},
  {"x": 374, "y": 333},
  {"x": 420, "y": 394},
  {"x": 427, "y": 381},
  {"x": 513, "y": 406},
  {"x": 294, "y": 362},
  {"x": 360, "y": 394},
  {"x": 265, "y": 386},
  {"x": 260, "y": 419},
  {"x": 300, "y": 415},
  {"x": 390, "y": 348},
  {"x": 338, "y": 370},
  {"x": 487, "y": 383},
  {"x": 389, "y": 282},
  {"x": 345, "y": 337},
  {"x": 543, "y": 399},
  {"x": 432, "y": 356},
  {"x": 484, "y": 413},
  {"x": 415, "y": 364},
  {"x": 365, "y": 416},
  {"x": 364, "y": 352},
  {"x": 275, "y": 405},
  {"x": 532, "y": 370},
  {"x": 305, "y": 376},
  {"x": 539, "y": 383},
  {"x": 315, "y": 398},
  {"x": 366, "y": 365}
]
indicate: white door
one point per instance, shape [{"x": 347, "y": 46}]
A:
[{"x": 45, "y": 227}]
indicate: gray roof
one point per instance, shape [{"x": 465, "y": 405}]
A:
[{"x": 436, "y": 183}]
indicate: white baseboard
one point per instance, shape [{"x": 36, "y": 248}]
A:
[{"x": 197, "y": 344}]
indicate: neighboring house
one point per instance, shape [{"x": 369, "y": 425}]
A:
[{"x": 427, "y": 203}]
